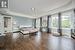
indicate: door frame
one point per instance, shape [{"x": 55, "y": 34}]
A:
[{"x": 11, "y": 23}]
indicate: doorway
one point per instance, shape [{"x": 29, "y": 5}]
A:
[{"x": 7, "y": 24}]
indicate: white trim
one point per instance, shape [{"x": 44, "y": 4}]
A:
[{"x": 10, "y": 23}]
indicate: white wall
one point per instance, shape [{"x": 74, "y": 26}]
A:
[{"x": 21, "y": 22}]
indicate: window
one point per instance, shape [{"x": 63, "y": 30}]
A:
[
  {"x": 38, "y": 23},
  {"x": 67, "y": 22},
  {"x": 44, "y": 24},
  {"x": 44, "y": 21},
  {"x": 54, "y": 23}
]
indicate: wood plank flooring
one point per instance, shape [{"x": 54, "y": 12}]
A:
[{"x": 41, "y": 41}]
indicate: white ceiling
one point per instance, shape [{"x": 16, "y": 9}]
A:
[{"x": 24, "y": 7}]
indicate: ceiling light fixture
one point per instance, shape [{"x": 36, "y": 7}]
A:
[{"x": 34, "y": 11}]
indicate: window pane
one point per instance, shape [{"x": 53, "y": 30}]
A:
[
  {"x": 54, "y": 23},
  {"x": 44, "y": 24},
  {"x": 38, "y": 23},
  {"x": 66, "y": 20}
]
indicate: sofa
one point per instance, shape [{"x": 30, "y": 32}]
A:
[{"x": 28, "y": 30}]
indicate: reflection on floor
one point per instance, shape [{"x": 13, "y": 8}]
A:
[{"x": 41, "y": 41}]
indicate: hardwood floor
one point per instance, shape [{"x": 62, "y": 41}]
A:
[{"x": 41, "y": 41}]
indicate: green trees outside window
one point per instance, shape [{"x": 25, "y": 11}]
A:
[{"x": 66, "y": 22}]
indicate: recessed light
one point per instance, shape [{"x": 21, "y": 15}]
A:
[{"x": 33, "y": 8}]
